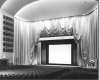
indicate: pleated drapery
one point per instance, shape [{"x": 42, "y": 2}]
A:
[
  {"x": 25, "y": 43},
  {"x": 83, "y": 28}
]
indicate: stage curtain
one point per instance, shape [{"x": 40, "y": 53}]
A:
[
  {"x": 94, "y": 38},
  {"x": 81, "y": 34},
  {"x": 25, "y": 43},
  {"x": 86, "y": 33}
]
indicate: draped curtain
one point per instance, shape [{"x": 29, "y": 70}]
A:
[
  {"x": 86, "y": 33},
  {"x": 83, "y": 28},
  {"x": 25, "y": 43},
  {"x": 94, "y": 37}
]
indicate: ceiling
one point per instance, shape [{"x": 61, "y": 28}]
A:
[
  {"x": 1, "y": 2},
  {"x": 34, "y": 10},
  {"x": 13, "y": 6}
]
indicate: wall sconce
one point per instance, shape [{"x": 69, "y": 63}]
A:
[{"x": 4, "y": 57}]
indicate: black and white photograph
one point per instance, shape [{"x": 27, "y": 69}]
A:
[{"x": 49, "y": 39}]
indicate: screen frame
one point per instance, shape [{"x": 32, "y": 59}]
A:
[{"x": 58, "y": 42}]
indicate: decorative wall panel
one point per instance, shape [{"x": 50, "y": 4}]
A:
[{"x": 8, "y": 33}]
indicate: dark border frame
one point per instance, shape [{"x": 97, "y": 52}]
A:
[{"x": 55, "y": 42}]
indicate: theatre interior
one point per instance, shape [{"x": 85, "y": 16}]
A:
[{"x": 49, "y": 39}]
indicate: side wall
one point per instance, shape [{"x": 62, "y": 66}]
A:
[{"x": 3, "y": 54}]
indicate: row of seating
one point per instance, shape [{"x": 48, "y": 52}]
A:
[
  {"x": 47, "y": 72},
  {"x": 35, "y": 72}
]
